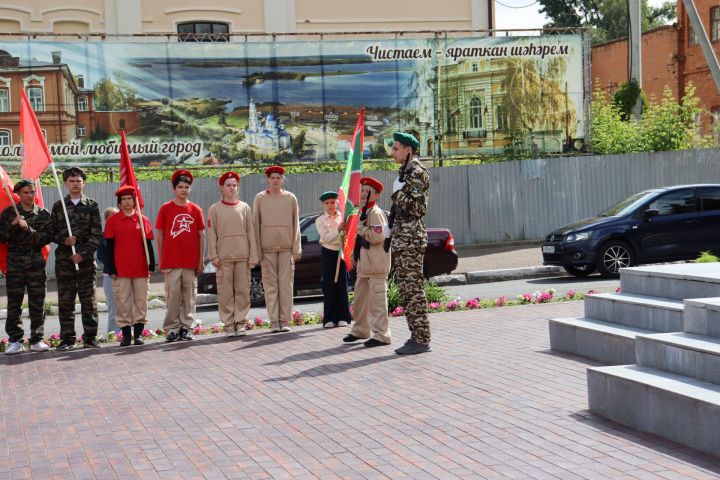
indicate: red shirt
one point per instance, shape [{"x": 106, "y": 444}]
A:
[
  {"x": 181, "y": 226},
  {"x": 130, "y": 260}
]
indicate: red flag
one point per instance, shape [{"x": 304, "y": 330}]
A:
[
  {"x": 40, "y": 202},
  {"x": 127, "y": 174},
  {"x": 349, "y": 191},
  {"x": 36, "y": 156},
  {"x": 4, "y": 203}
]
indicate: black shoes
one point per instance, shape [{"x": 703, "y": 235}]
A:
[
  {"x": 351, "y": 338},
  {"x": 186, "y": 335},
  {"x": 90, "y": 343},
  {"x": 65, "y": 346},
  {"x": 137, "y": 333},
  {"x": 412, "y": 347},
  {"x": 172, "y": 337},
  {"x": 373, "y": 342},
  {"x": 126, "y": 336}
]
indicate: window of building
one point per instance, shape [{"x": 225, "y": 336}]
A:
[
  {"x": 4, "y": 100},
  {"x": 500, "y": 118},
  {"x": 452, "y": 123},
  {"x": 715, "y": 24},
  {"x": 35, "y": 95},
  {"x": 476, "y": 122},
  {"x": 5, "y": 137},
  {"x": 475, "y": 67},
  {"x": 203, "y": 32},
  {"x": 82, "y": 104},
  {"x": 692, "y": 38},
  {"x": 81, "y": 130}
]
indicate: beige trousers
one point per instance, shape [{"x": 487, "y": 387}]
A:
[
  {"x": 233, "y": 292},
  {"x": 180, "y": 287},
  {"x": 130, "y": 300},
  {"x": 278, "y": 272},
  {"x": 370, "y": 309}
]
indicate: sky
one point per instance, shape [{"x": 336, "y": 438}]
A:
[{"x": 525, "y": 13}]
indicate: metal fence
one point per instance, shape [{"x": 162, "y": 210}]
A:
[{"x": 519, "y": 200}]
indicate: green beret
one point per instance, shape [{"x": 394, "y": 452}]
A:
[
  {"x": 406, "y": 139},
  {"x": 327, "y": 195}
]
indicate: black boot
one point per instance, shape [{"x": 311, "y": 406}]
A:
[
  {"x": 126, "y": 336},
  {"x": 138, "y": 329}
]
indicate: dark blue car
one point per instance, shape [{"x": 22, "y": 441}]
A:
[{"x": 658, "y": 225}]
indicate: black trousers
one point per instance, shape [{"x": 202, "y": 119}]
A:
[{"x": 335, "y": 295}]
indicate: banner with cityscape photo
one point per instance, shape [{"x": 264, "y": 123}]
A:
[{"x": 206, "y": 103}]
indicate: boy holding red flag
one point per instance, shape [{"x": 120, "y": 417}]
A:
[{"x": 26, "y": 234}]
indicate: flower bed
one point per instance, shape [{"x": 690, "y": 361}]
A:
[{"x": 312, "y": 318}]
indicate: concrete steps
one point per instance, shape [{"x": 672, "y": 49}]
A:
[
  {"x": 676, "y": 407},
  {"x": 675, "y": 281},
  {"x": 641, "y": 311}
]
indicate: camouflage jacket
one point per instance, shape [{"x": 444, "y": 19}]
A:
[
  {"x": 411, "y": 201},
  {"x": 24, "y": 246},
  {"x": 85, "y": 224}
]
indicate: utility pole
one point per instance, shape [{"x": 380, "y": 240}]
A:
[{"x": 635, "y": 51}]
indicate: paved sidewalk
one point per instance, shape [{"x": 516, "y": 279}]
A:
[{"x": 489, "y": 402}]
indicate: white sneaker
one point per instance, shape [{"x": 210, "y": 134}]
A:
[
  {"x": 230, "y": 330},
  {"x": 13, "y": 348},
  {"x": 343, "y": 323},
  {"x": 39, "y": 347},
  {"x": 241, "y": 332},
  {"x": 285, "y": 329},
  {"x": 329, "y": 325}
]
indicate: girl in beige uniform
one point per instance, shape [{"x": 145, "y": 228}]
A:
[
  {"x": 277, "y": 231},
  {"x": 233, "y": 251}
]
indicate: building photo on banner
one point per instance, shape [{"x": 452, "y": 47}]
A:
[{"x": 297, "y": 100}]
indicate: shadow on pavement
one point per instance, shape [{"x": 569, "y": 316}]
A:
[
  {"x": 332, "y": 368},
  {"x": 340, "y": 349}
]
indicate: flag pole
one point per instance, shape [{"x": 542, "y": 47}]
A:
[
  {"x": 12, "y": 202},
  {"x": 340, "y": 254},
  {"x": 142, "y": 231},
  {"x": 62, "y": 202}
]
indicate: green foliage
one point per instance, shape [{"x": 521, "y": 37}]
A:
[
  {"x": 393, "y": 296},
  {"x": 433, "y": 293},
  {"x": 112, "y": 97},
  {"x": 665, "y": 125},
  {"x": 707, "y": 257},
  {"x": 625, "y": 97},
  {"x": 608, "y": 20},
  {"x": 298, "y": 143}
]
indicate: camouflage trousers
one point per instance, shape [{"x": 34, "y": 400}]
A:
[
  {"x": 72, "y": 284},
  {"x": 408, "y": 267},
  {"x": 17, "y": 283}
]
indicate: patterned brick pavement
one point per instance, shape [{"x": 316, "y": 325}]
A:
[{"x": 490, "y": 402}]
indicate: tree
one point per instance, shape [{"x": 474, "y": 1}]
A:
[
  {"x": 608, "y": 20},
  {"x": 112, "y": 97},
  {"x": 298, "y": 143}
]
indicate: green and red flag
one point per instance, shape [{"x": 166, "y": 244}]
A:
[{"x": 349, "y": 191}]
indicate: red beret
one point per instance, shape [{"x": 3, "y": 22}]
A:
[
  {"x": 274, "y": 169},
  {"x": 372, "y": 183},
  {"x": 184, "y": 173},
  {"x": 227, "y": 175},
  {"x": 125, "y": 190}
]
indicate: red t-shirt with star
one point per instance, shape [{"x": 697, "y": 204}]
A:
[
  {"x": 130, "y": 259},
  {"x": 181, "y": 225}
]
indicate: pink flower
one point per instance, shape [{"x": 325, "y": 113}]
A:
[
  {"x": 617, "y": 290},
  {"x": 591, "y": 292},
  {"x": 570, "y": 294},
  {"x": 452, "y": 305},
  {"x": 399, "y": 311},
  {"x": 147, "y": 333},
  {"x": 55, "y": 336},
  {"x": 159, "y": 331},
  {"x": 215, "y": 328},
  {"x": 249, "y": 326},
  {"x": 544, "y": 297},
  {"x": 473, "y": 303},
  {"x": 258, "y": 321},
  {"x": 4, "y": 340},
  {"x": 501, "y": 302},
  {"x": 296, "y": 315},
  {"x": 197, "y": 330}
]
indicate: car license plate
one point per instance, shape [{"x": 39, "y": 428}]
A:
[{"x": 548, "y": 249}]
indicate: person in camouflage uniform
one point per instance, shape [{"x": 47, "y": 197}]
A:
[
  {"x": 25, "y": 235},
  {"x": 84, "y": 216},
  {"x": 409, "y": 239}
]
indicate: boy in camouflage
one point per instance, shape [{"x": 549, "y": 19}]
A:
[
  {"x": 25, "y": 235},
  {"x": 84, "y": 217}
]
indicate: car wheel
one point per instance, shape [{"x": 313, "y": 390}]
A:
[
  {"x": 257, "y": 293},
  {"x": 613, "y": 256},
  {"x": 579, "y": 270}
]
